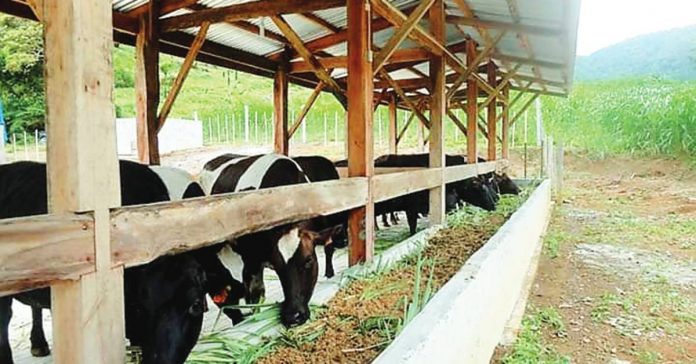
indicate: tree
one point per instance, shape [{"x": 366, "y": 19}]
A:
[{"x": 21, "y": 73}]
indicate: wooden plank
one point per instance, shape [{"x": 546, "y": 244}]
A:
[
  {"x": 400, "y": 34},
  {"x": 305, "y": 109},
  {"x": 244, "y": 11},
  {"x": 436, "y": 139},
  {"x": 67, "y": 241},
  {"x": 392, "y": 125},
  {"x": 147, "y": 86},
  {"x": 524, "y": 108},
  {"x": 359, "y": 133},
  {"x": 491, "y": 114},
  {"x": 181, "y": 76},
  {"x": 280, "y": 110},
  {"x": 184, "y": 225},
  {"x": 501, "y": 85},
  {"x": 510, "y": 27},
  {"x": 390, "y": 185},
  {"x": 458, "y": 173},
  {"x": 471, "y": 105},
  {"x": 528, "y": 61},
  {"x": 298, "y": 44},
  {"x": 83, "y": 174},
  {"x": 166, "y": 7},
  {"x": 506, "y": 126},
  {"x": 343, "y": 171}
]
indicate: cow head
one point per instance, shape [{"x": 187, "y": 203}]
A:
[
  {"x": 451, "y": 199},
  {"x": 506, "y": 185},
  {"x": 299, "y": 270},
  {"x": 492, "y": 184},
  {"x": 475, "y": 191},
  {"x": 165, "y": 308}
]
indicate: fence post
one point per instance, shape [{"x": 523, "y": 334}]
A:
[
  {"x": 326, "y": 136},
  {"x": 256, "y": 127},
  {"x": 246, "y": 123},
  {"x": 36, "y": 143},
  {"x": 558, "y": 170},
  {"x": 234, "y": 127},
  {"x": 304, "y": 130},
  {"x": 265, "y": 128},
  {"x": 26, "y": 150},
  {"x": 335, "y": 127},
  {"x": 227, "y": 129},
  {"x": 14, "y": 148},
  {"x": 379, "y": 128},
  {"x": 3, "y": 157}
]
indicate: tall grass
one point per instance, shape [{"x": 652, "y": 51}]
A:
[{"x": 642, "y": 117}]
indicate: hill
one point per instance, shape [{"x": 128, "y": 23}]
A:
[{"x": 668, "y": 54}]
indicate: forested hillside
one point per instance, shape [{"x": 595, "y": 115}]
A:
[{"x": 669, "y": 54}]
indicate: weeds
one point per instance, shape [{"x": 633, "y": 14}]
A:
[{"x": 530, "y": 346}]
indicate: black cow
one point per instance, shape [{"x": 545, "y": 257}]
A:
[
  {"x": 288, "y": 249},
  {"x": 318, "y": 169},
  {"x": 164, "y": 300}
]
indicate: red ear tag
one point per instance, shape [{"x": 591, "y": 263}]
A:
[{"x": 221, "y": 297}]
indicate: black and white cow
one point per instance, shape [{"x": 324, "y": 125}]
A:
[
  {"x": 288, "y": 249},
  {"x": 164, "y": 300}
]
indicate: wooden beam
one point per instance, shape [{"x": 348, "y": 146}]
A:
[
  {"x": 406, "y": 125},
  {"x": 436, "y": 139},
  {"x": 492, "y": 110},
  {"x": 402, "y": 95},
  {"x": 456, "y": 121},
  {"x": 501, "y": 85},
  {"x": 400, "y": 34},
  {"x": 244, "y": 11},
  {"x": 399, "y": 56},
  {"x": 305, "y": 109},
  {"x": 472, "y": 104},
  {"x": 147, "y": 86},
  {"x": 280, "y": 110},
  {"x": 393, "y": 127},
  {"x": 359, "y": 134},
  {"x": 181, "y": 76},
  {"x": 524, "y": 40},
  {"x": 461, "y": 172},
  {"x": 83, "y": 175},
  {"x": 510, "y": 27},
  {"x": 527, "y": 61},
  {"x": 297, "y": 43},
  {"x": 166, "y": 7},
  {"x": 506, "y": 125},
  {"x": 473, "y": 66}
]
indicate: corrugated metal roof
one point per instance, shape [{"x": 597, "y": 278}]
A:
[{"x": 550, "y": 50}]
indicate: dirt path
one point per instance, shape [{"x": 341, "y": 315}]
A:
[{"x": 617, "y": 279}]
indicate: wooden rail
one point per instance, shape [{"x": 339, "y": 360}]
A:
[{"x": 39, "y": 250}]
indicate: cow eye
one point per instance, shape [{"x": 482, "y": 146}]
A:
[
  {"x": 197, "y": 308},
  {"x": 308, "y": 262}
]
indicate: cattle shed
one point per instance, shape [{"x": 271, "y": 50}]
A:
[{"x": 426, "y": 56}]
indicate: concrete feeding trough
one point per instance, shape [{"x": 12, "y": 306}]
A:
[{"x": 482, "y": 305}]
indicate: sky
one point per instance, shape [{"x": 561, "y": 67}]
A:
[{"x": 606, "y": 22}]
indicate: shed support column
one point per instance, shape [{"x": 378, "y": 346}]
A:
[
  {"x": 360, "y": 148},
  {"x": 147, "y": 85},
  {"x": 392, "y": 125},
  {"x": 83, "y": 174},
  {"x": 437, "y": 113},
  {"x": 506, "y": 124},
  {"x": 471, "y": 104},
  {"x": 492, "y": 113},
  {"x": 280, "y": 111}
]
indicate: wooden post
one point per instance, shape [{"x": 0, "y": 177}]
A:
[
  {"x": 506, "y": 124},
  {"x": 392, "y": 125},
  {"x": 147, "y": 85},
  {"x": 280, "y": 110},
  {"x": 558, "y": 166},
  {"x": 360, "y": 148},
  {"x": 492, "y": 112},
  {"x": 83, "y": 174},
  {"x": 471, "y": 104},
  {"x": 437, "y": 113}
]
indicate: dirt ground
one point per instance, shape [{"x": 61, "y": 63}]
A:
[{"x": 616, "y": 281}]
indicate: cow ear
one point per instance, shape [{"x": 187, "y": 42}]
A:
[{"x": 307, "y": 235}]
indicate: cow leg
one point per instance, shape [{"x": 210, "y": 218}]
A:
[
  {"x": 376, "y": 224},
  {"x": 5, "y": 316},
  {"x": 384, "y": 220},
  {"x": 394, "y": 217},
  {"x": 412, "y": 218},
  {"x": 39, "y": 346},
  {"x": 328, "y": 252}
]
